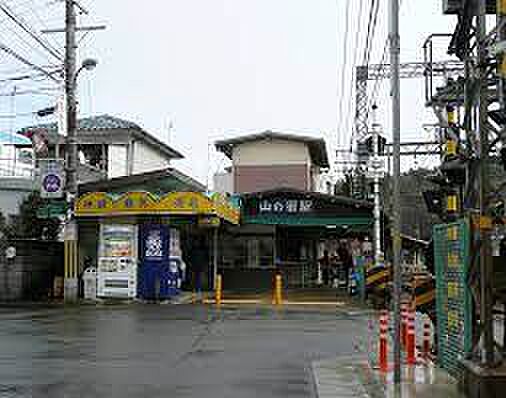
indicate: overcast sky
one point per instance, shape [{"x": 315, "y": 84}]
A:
[{"x": 220, "y": 68}]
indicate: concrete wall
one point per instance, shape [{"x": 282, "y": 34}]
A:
[
  {"x": 249, "y": 179},
  {"x": 223, "y": 182},
  {"x": 270, "y": 164},
  {"x": 146, "y": 158},
  {"x": 271, "y": 152},
  {"x": 30, "y": 275},
  {"x": 117, "y": 160}
]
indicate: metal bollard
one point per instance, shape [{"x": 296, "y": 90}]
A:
[
  {"x": 218, "y": 291},
  {"x": 278, "y": 290},
  {"x": 383, "y": 341}
]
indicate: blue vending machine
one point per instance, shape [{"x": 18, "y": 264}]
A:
[{"x": 158, "y": 272}]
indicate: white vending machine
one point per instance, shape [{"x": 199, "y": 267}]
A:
[{"x": 117, "y": 261}]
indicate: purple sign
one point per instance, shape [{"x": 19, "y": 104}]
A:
[{"x": 51, "y": 183}]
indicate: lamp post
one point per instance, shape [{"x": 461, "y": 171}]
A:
[
  {"x": 71, "y": 267},
  {"x": 70, "y": 233}
]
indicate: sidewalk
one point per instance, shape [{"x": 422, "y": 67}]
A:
[{"x": 354, "y": 378}]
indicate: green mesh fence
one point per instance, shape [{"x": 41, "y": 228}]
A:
[{"x": 453, "y": 299}]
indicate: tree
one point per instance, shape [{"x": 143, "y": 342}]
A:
[
  {"x": 26, "y": 225},
  {"x": 416, "y": 219}
]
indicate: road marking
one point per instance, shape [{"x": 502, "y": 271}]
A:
[{"x": 258, "y": 301}]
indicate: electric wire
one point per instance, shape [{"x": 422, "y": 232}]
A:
[
  {"x": 345, "y": 57},
  {"x": 24, "y": 26},
  {"x": 355, "y": 62},
  {"x": 23, "y": 60}
]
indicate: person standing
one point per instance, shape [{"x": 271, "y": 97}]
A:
[
  {"x": 199, "y": 262},
  {"x": 346, "y": 262},
  {"x": 325, "y": 267}
]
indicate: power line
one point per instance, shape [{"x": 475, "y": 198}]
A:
[
  {"x": 345, "y": 49},
  {"x": 355, "y": 61},
  {"x": 371, "y": 28},
  {"x": 35, "y": 13},
  {"x": 23, "y": 60},
  {"x": 54, "y": 52},
  {"x": 24, "y": 44}
]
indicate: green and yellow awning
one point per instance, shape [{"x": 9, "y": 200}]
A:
[{"x": 101, "y": 204}]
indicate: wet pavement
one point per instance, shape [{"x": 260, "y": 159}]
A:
[
  {"x": 352, "y": 377},
  {"x": 170, "y": 351}
]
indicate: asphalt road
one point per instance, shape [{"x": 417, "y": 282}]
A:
[{"x": 168, "y": 351}]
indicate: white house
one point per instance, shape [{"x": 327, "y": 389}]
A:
[{"x": 110, "y": 147}]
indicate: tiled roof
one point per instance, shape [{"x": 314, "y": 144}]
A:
[
  {"x": 93, "y": 123},
  {"x": 106, "y": 123}
]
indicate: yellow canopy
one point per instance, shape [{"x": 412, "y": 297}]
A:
[{"x": 101, "y": 204}]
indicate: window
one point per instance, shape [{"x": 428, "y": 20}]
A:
[{"x": 247, "y": 251}]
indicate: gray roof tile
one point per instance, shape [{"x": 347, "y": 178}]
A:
[{"x": 93, "y": 123}]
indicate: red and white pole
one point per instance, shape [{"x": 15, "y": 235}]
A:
[
  {"x": 410, "y": 339},
  {"x": 426, "y": 339},
  {"x": 404, "y": 321},
  {"x": 383, "y": 342}
]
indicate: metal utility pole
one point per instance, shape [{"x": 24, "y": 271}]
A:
[
  {"x": 377, "y": 169},
  {"x": 485, "y": 263},
  {"x": 394, "y": 41},
  {"x": 501, "y": 59},
  {"x": 70, "y": 81}
]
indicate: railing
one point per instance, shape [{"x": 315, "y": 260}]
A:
[
  {"x": 12, "y": 168},
  {"x": 297, "y": 274}
]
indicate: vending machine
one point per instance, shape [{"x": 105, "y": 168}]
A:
[
  {"x": 160, "y": 263},
  {"x": 117, "y": 261}
]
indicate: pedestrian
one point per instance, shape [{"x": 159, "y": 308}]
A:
[
  {"x": 346, "y": 262},
  {"x": 325, "y": 267},
  {"x": 199, "y": 262}
]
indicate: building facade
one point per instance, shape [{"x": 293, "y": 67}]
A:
[
  {"x": 285, "y": 223},
  {"x": 271, "y": 160},
  {"x": 109, "y": 147}
]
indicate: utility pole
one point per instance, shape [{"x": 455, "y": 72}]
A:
[
  {"x": 501, "y": 59},
  {"x": 377, "y": 169},
  {"x": 70, "y": 81},
  {"x": 394, "y": 41},
  {"x": 70, "y": 281},
  {"x": 486, "y": 322}
]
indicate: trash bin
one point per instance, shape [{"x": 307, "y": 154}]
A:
[{"x": 90, "y": 283}]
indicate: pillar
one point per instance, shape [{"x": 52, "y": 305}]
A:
[{"x": 71, "y": 262}]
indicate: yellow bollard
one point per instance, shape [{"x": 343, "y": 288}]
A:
[
  {"x": 218, "y": 291},
  {"x": 278, "y": 290}
]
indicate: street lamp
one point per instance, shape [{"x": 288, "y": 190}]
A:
[{"x": 88, "y": 64}]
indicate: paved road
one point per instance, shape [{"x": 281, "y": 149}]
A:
[{"x": 168, "y": 351}]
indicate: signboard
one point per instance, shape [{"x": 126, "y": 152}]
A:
[
  {"x": 282, "y": 205},
  {"x": 52, "y": 179},
  {"x": 453, "y": 297},
  {"x": 54, "y": 209},
  {"x": 61, "y": 113},
  {"x": 299, "y": 205}
]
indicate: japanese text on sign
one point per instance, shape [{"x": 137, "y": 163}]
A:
[{"x": 286, "y": 206}]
